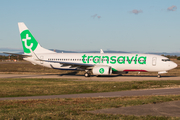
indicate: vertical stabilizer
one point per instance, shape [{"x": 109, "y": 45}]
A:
[{"x": 29, "y": 42}]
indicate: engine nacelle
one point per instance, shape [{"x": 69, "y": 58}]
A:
[{"x": 102, "y": 70}]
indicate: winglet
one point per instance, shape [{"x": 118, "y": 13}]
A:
[{"x": 101, "y": 51}]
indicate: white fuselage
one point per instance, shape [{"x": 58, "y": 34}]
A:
[{"x": 118, "y": 62}]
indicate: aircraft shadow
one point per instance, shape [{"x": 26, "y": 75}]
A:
[
  {"x": 101, "y": 76},
  {"x": 147, "y": 76}
]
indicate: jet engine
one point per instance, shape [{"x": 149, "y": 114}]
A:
[{"x": 102, "y": 70}]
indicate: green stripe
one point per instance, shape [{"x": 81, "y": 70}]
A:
[{"x": 114, "y": 70}]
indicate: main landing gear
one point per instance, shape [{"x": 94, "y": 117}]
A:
[{"x": 87, "y": 74}]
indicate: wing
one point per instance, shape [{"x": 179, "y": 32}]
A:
[
  {"x": 63, "y": 64},
  {"x": 77, "y": 66}
]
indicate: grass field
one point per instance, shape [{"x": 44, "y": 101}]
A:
[
  {"x": 24, "y": 67},
  {"x": 75, "y": 109},
  {"x": 10, "y": 87}
]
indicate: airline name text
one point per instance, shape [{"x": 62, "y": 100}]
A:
[{"x": 115, "y": 59}]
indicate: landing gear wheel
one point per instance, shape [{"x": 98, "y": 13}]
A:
[
  {"x": 159, "y": 76},
  {"x": 87, "y": 74}
]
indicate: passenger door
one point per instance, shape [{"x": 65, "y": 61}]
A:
[{"x": 154, "y": 59}]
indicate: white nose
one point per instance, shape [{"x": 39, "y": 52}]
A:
[{"x": 173, "y": 65}]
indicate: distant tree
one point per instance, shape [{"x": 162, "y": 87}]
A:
[
  {"x": 170, "y": 56},
  {"x": 178, "y": 58},
  {"x": 12, "y": 57}
]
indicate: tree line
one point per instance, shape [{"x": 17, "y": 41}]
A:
[{"x": 10, "y": 57}]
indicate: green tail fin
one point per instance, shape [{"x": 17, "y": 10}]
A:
[{"x": 29, "y": 42}]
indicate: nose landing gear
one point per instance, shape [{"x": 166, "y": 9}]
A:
[
  {"x": 161, "y": 72},
  {"x": 159, "y": 76}
]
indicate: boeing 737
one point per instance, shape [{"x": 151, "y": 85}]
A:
[{"x": 92, "y": 63}]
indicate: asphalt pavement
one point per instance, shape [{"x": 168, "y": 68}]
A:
[
  {"x": 169, "y": 91},
  {"x": 169, "y": 109}
]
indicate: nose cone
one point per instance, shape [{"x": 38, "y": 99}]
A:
[{"x": 173, "y": 65}]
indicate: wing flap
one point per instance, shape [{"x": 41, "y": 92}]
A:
[{"x": 70, "y": 63}]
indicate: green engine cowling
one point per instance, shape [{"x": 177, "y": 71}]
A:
[{"x": 102, "y": 70}]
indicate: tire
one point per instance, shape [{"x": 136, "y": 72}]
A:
[
  {"x": 159, "y": 76},
  {"x": 87, "y": 74}
]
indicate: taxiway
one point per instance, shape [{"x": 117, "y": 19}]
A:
[
  {"x": 162, "y": 109},
  {"x": 93, "y": 78}
]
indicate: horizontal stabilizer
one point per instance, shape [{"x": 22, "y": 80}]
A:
[{"x": 17, "y": 54}]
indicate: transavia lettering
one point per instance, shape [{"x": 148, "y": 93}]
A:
[{"x": 114, "y": 59}]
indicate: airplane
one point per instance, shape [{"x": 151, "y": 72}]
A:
[{"x": 92, "y": 63}]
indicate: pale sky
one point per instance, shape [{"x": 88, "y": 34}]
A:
[{"x": 122, "y": 25}]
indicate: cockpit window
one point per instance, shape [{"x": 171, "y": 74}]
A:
[{"x": 165, "y": 60}]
